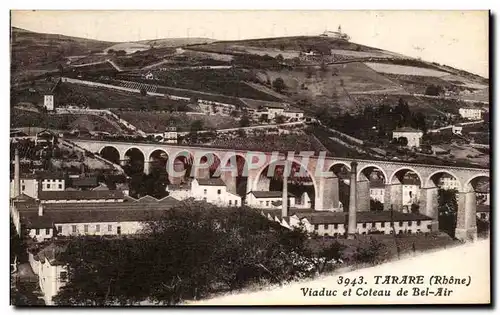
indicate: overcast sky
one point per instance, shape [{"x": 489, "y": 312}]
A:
[{"x": 456, "y": 38}]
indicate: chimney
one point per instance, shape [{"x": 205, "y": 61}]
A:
[
  {"x": 352, "y": 223},
  {"x": 284, "y": 204},
  {"x": 40, "y": 209},
  {"x": 17, "y": 179}
]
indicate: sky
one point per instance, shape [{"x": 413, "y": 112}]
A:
[{"x": 455, "y": 38}]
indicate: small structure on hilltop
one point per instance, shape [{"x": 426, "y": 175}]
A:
[
  {"x": 337, "y": 35},
  {"x": 412, "y": 136}
]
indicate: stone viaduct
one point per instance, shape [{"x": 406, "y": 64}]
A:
[{"x": 326, "y": 187}]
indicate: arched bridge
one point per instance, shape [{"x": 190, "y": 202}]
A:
[{"x": 392, "y": 175}]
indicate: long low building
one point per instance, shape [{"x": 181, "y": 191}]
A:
[
  {"x": 42, "y": 221},
  {"x": 327, "y": 223}
]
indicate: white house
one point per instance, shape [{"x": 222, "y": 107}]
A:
[
  {"x": 377, "y": 190},
  {"x": 448, "y": 182},
  {"x": 412, "y": 135},
  {"x": 48, "y": 101},
  {"x": 268, "y": 199},
  {"x": 211, "y": 190},
  {"x": 31, "y": 184},
  {"x": 471, "y": 113},
  {"x": 410, "y": 193},
  {"x": 456, "y": 130},
  {"x": 52, "y": 274}
]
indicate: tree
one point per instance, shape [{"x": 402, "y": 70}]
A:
[
  {"x": 376, "y": 205},
  {"x": 197, "y": 125},
  {"x": 369, "y": 253},
  {"x": 279, "y": 58},
  {"x": 121, "y": 53},
  {"x": 434, "y": 90},
  {"x": 279, "y": 119},
  {"x": 279, "y": 85},
  {"x": 447, "y": 210},
  {"x": 242, "y": 133},
  {"x": 143, "y": 92},
  {"x": 403, "y": 141},
  {"x": 244, "y": 121},
  {"x": 111, "y": 51}
]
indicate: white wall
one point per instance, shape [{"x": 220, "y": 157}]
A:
[
  {"x": 377, "y": 194},
  {"x": 30, "y": 188},
  {"x": 105, "y": 228},
  {"x": 214, "y": 194},
  {"x": 53, "y": 185},
  {"x": 48, "y": 102},
  {"x": 266, "y": 203},
  {"x": 48, "y": 278}
]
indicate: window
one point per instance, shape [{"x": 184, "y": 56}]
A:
[
  {"x": 86, "y": 228},
  {"x": 23, "y": 187},
  {"x": 400, "y": 223},
  {"x": 267, "y": 203},
  {"x": 118, "y": 230},
  {"x": 483, "y": 216},
  {"x": 418, "y": 222},
  {"x": 98, "y": 228},
  {"x": 204, "y": 191},
  {"x": 73, "y": 228},
  {"x": 63, "y": 276},
  {"x": 336, "y": 226},
  {"x": 364, "y": 225},
  {"x": 59, "y": 229},
  {"x": 316, "y": 226},
  {"x": 236, "y": 202},
  {"x": 60, "y": 186},
  {"x": 37, "y": 231},
  {"x": 230, "y": 202},
  {"x": 392, "y": 224},
  {"x": 325, "y": 226},
  {"x": 110, "y": 228},
  {"x": 410, "y": 223},
  {"x": 48, "y": 186},
  {"x": 383, "y": 224},
  {"x": 218, "y": 191},
  {"x": 47, "y": 231},
  {"x": 205, "y": 199}
]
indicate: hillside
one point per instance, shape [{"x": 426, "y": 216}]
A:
[
  {"x": 40, "y": 51},
  {"x": 175, "y": 42}
]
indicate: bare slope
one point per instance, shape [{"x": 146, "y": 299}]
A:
[{"x": 31, "y": 50}]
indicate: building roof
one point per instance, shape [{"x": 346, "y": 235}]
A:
[
  {"x": 80, "y": 195},
  {"x": 58, "y": 213},
  {"x": 406, "y": 129},
  {"x": 269, "y": 194},
  {"x": 87, "y": 181},
  {"x": 323, "y": 217},
  {"x": 294, "y": 110},
  {"x": 256, "y": 104},
  {"x": 101, "y": 187},
  {"x": 211, "y": 182},
  {"x": 50, "y": 253},
  {"x": 23, "y": 198},
  {"x": 483, "y": 208}
]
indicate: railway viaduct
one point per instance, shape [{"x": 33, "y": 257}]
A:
[{"x": 326, "y": 186}]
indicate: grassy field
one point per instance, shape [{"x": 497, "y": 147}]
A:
[
  {"x": 221, "y": 81},
  {"x": 296, "y": 43},
  {"x": 404, "y": 70},
  {"x": 32, "y": 50},
  {"x": 158, "y": 121},
  {"x": 98, "y": 98},
  {"x": 22, "y": 118}
]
